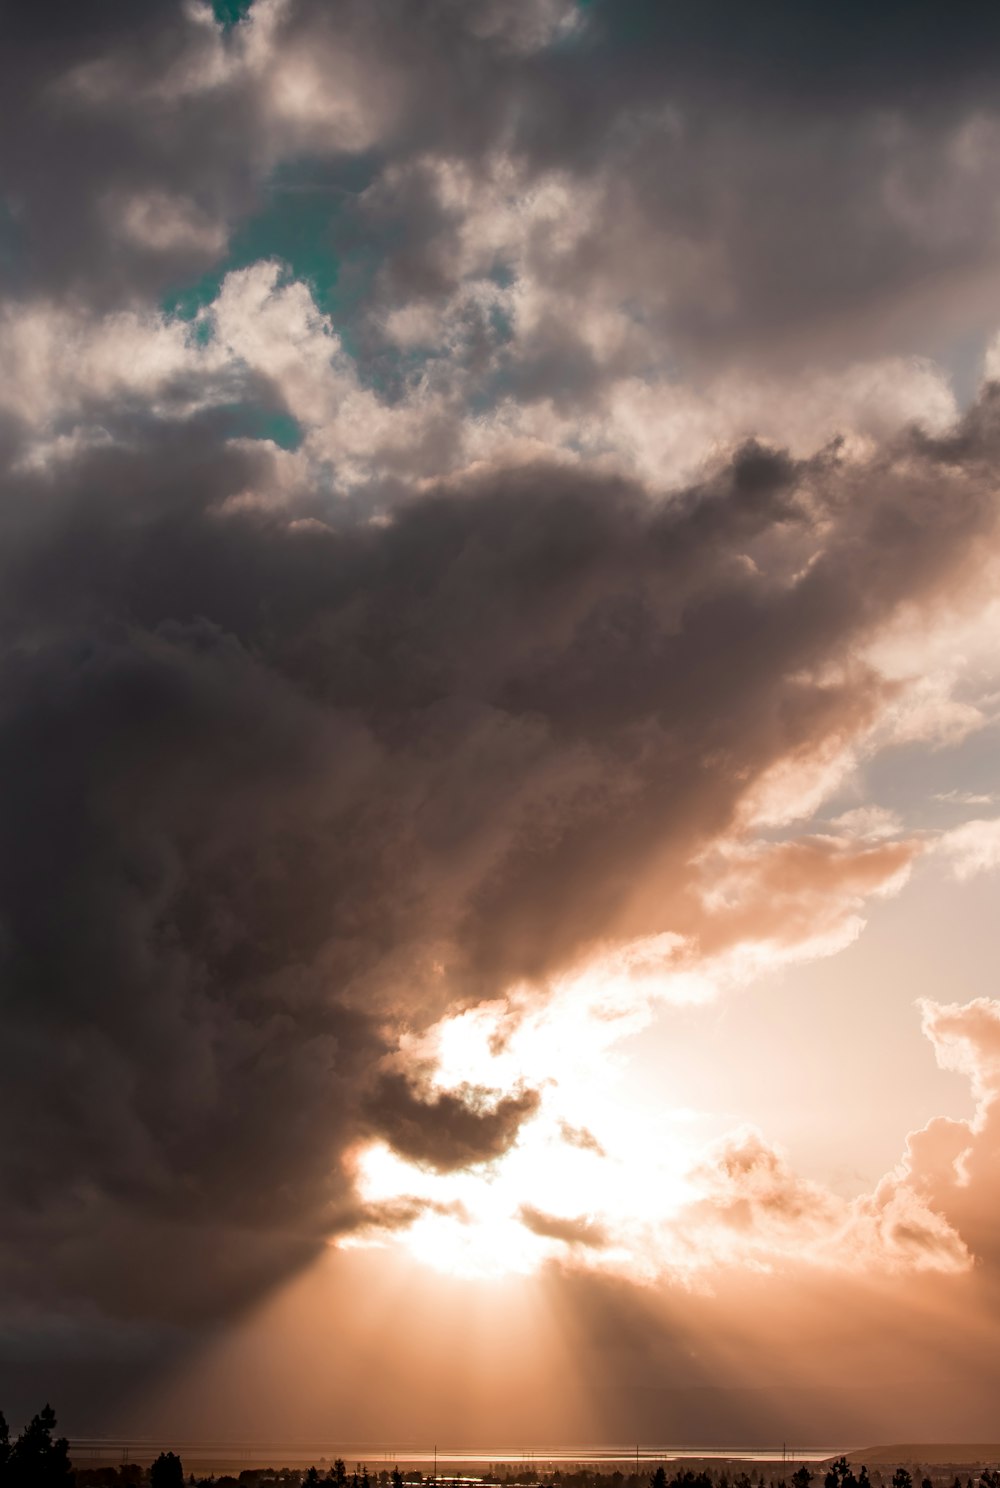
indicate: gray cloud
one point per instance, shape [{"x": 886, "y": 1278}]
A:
[
  {"x": 580, "y": 1136},
  {"x": 70, "y": 156},
  {"x": 574, "y": 1231},
  {"x": 449, "y": 1129}
]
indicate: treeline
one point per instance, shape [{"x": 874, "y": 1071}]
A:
[
  {"x": 38, "y": 1458},
  {"x": 167, "y": 1472}
]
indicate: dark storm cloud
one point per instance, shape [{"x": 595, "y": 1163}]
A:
[
  {"x": 267, "y": 790},
  {"x": 449, "y": 1129},
  {"x": 906, "y": 51},
  {"x": 582, "y": 1231}
]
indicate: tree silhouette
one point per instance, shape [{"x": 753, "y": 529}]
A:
[
  {"x": 167, "y": 1471},
  {"x": 311, "y": 1478},
  {"x": 901, "y": 1478},
  {"x": 396, "y": 1478},
  {"x": 658, "y": 1479},
  {"x": 840, "y": 1475},
  {"x": 37, "y": 1459},
  {"x": 801, "y": 1477},
  {"x": 4, "y": 1444}
]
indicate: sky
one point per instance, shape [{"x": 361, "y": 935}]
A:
[{"x": 499, "y": 704}]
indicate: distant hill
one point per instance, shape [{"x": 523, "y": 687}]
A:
[{"x": 932, "y": 1454}]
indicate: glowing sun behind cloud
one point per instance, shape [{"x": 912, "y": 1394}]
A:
[
  {"x": 604, "y": 1175},
  {"x": 586, "y": 1152}
]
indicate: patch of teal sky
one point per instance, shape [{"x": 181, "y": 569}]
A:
[
  {"x": 253, "y": 421},
  {"x": 229, "y": 13},
  {"x": 300, "y": 223},
  {"x": 303, "y": 217}
]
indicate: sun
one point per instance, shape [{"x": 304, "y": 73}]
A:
[{"x": 594, "y": 1174}]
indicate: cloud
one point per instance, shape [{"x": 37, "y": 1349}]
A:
[
  {"x": 749, "y": 1191},
  {"x": 966, "y": 1037},
  {"x": 951, "y": 1167},
  {"x": 870, "y": 822},
  {"x": 798, "y": 897},
  {"x": 899, "y": 1229},
  {"x": 972, "y": 848},
  {"x": 582, "y": 1231},
  {"x": 447, "y": 1129},
  {"x": 579, "y": 1136},
  {"x": 966, "y": 798}
]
